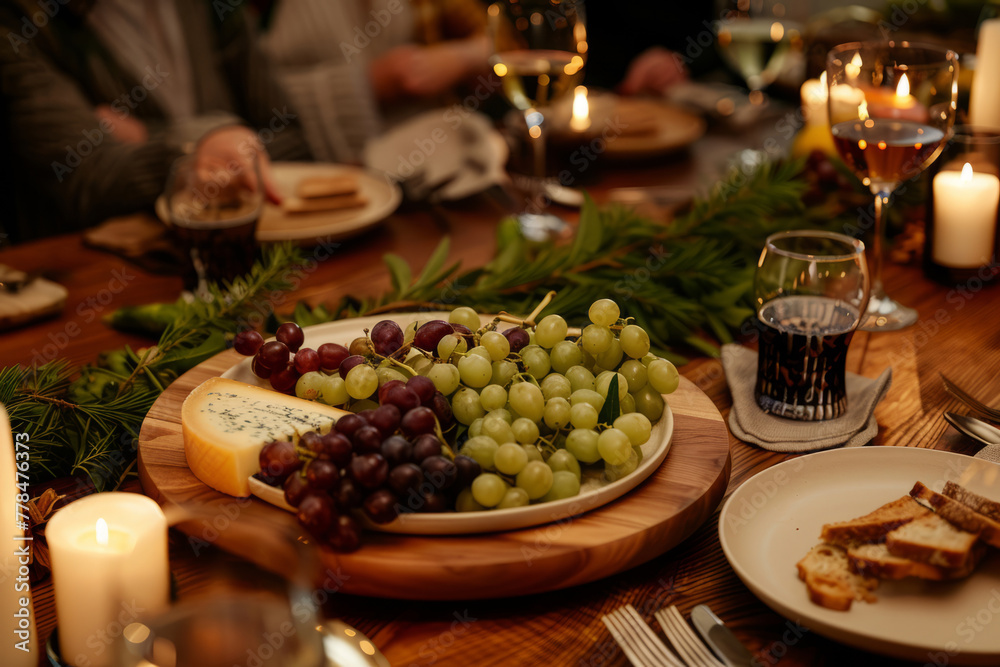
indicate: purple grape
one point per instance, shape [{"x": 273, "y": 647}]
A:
[
  {"x": 345, "y": 534},
  {"x": 369, "y": 470},
  {"x": 349, "y": 363},
  {"x": 336, "y": 447},
  {"x": 347, "y": 494},
  {"x": 403, "y": 398},
  {"x": 278, "y": 460},
  {"x": 306, "y": 360},
  {"x": 331, "y": 355},
  {"x": 295, "y": 488},
  {"x": 387, "y": 337},
  {"x": 468, "y": 469},
  {"x": 441, "y": 407},
  {"x": 322, "y": 475},
  {"x": 284, "y": 380},
  {"x": 517, "y": 338},
  {"x": 367, "y": 440},
  {"x": 465, "y": 331},
  {"x": 366, "y": 415},
  {"x": 418, "y": 421},
  {"x": 404, "y": 478},
  {"x": 348, "y": 424},
  {"x": 440, "y": 471},
  {"x": 381, "y": 506},
  {"x": 424, "y": 446},
  {"x": 434, "y": 502},
  {"x": 316, "y": 513},
  {"x": 290, "y": 334},
  {"x": 430, "y": 334},
  {"x": 423, "y": 387},
  {"x": 260, "y": 370},
  {"x": 397, "y": 450},
  {"x": 386, "y": 419},
  {"x": 386, "y": 387},
  {"x": 273, "y": 354},
  {"x": 247, "y": 342}
]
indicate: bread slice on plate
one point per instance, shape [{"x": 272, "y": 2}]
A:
[
  {"x": 960, "y": 514},
  {"x": 932, "y": 539},
  {"x": 874, "y": 526},
  {"x": 326, "y": 186},
  {"x": 985, "y": 506},
  {"x": 829, "y": 580},
  {"x": 874, "y": 560}
]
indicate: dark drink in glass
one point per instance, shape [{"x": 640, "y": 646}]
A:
[
  {"x": 221, "y": 248},
  {"x": 801, "y": 363}
]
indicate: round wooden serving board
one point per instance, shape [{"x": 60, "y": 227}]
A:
[{"x": 642, "y": 524}]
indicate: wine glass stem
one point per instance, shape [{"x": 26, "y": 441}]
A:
[
  {"x": 536, "y": 136},
  {"x": 881, "y": 201}
]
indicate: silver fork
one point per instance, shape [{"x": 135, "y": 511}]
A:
[
  {"x": 977, "y": 406},
  {"x": 638, "y": 641},
  {"x": 687, "y": 643}
]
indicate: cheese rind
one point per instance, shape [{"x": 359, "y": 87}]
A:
[{"x": 225, "y": 423}]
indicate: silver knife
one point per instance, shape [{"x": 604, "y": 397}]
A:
[
  {"x": 974, "y": 428},
  {"x": 721, "y": 639}
]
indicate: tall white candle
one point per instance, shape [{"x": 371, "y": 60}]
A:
[
  {"x": 965, "y": 217},
  {"x": 984, "y": 97},
  {"x": 17, "y": 618},
  {"x": 109, "y": 569}
]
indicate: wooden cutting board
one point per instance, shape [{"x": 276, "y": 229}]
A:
[{"x": 646, "y": 522}]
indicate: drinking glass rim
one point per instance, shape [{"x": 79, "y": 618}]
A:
[
  {"x": 857, "y": 244},
  {"x": 946, "y": 53}
]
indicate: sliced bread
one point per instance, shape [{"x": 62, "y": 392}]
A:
[
  {"x": 874, "y": 526},
  {"x": 960, "y": 514},
  {"x": 874, "y": 560},
  {"x": 932, "y": 539},
  {"x": 985, "y": 506},
  {"x": 829, "y": 580}
]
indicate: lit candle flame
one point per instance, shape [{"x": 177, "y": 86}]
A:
[
  {"x": 580, "y": 120},
  {"x": 967, "y": 173},
  {"x": 863, "y": 110},
  {"x": 853, "y": 68},
  {"x": 102, "y": 532},
  {"x": 903, "y": 89}
]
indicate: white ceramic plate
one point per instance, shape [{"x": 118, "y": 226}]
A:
[
  {"x": 443, "y": 143},
  {"x": 594, "y": 491},
  {"x": 382, "y": 194},
  {"x": 775, "y": 517}
]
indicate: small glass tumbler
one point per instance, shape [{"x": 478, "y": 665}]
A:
[
  {"x": 811, "y": 289},
  {"x": 213, "y": 212}
]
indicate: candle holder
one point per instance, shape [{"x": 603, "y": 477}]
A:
[{"x": 961, "y": 221}]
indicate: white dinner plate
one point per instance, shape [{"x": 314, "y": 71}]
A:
[
  {"x": 594, "y": 490},
  {"x": 382, "y": 197},
  {"x": 775, "y": 517},
  {"x": 455, "y": 142}
]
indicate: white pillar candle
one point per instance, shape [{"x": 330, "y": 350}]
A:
[
  {"x": 984, "y": 97},
  {"x": 109, "y": 569},
  {"x": 17, "y": 618},
  {"x": 965, "y": 217},
  {"x": 813, "y": 95}
]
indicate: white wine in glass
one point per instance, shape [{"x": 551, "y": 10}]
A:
[
  {"x": 756, "y": 39},
  {"x": 892, "y": 106},
  {"x": 539, "y": 52}
]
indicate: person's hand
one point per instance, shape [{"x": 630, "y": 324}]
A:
[
  {"x": 125, "y": 129},
  {"x": 229, "y": 154},
  {"x": 652, "y": 72},
  {"x": 411, "y": 70}
]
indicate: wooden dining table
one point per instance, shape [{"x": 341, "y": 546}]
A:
[{"x": 957, "y": 333}]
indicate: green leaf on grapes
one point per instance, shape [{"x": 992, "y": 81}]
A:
[{"x": 611, "y": 409}]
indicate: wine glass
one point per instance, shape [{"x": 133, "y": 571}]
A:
[
  {"x": 539, "y": 50},
  {"x": 755, "y": 38},
  {"x": 892, "y": 106}
]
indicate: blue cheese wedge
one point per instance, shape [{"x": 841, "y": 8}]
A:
[{"x": 226, "y": 423}]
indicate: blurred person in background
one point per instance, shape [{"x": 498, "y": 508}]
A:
[
  {"x": 101, "y": 96},
  {"x": 354, "y": 67}
]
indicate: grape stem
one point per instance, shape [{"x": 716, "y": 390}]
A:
[{"x": 528, "y": 321}]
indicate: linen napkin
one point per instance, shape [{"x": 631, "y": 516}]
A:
[
  {"x": 751, "y": 424},
  {"x": 989, "y": 453}
]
